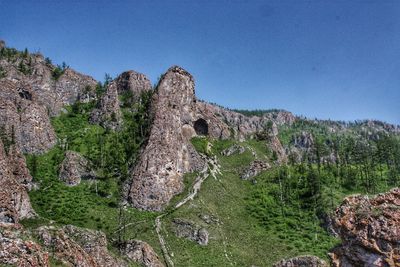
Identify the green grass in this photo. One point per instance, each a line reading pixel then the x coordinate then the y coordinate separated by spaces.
pixel 91 204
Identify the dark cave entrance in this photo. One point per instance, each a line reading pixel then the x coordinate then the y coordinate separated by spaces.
pixel 201 127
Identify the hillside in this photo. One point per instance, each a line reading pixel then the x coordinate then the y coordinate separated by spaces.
pixel 118 173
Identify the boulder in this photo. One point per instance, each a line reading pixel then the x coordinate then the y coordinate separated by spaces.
pixel 74 168
pixel 142 253
pixel 191 231
pixel 256 167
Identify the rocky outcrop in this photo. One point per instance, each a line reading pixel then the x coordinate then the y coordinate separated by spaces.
pixel 158 175
pixel 23 120
pixel 302 261
pixel 52 93
pixel 191 231
pixel 234 149
pixel 369 229
pixel 125 89
pixel 142 253
pixel 243 126
pixel 14 200
pixel 255 168
pixel 74 168
pixel 78 247
pixel 16 250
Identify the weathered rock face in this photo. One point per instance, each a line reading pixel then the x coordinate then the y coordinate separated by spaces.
pixel 24 120
pixel 369 229
pixel 191 231
pixel 134 82
pixel 158 174
pixel 78 247
pixel 74 168
pixel 241 125
pixel 256 167
pixel 303 141
pixel 51 93
pixel 302 261
pixel 142 253
pixel 15 250
pixel 14 200
pixel 129 84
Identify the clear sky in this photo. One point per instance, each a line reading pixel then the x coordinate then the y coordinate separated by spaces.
pixel 324 59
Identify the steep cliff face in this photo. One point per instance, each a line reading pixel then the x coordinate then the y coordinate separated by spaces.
pixel 129 86
pixel 14 200
pixel 370 231
pixel 23 120
pixel 168 154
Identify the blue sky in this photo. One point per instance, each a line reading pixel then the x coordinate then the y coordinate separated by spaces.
pixel 324 59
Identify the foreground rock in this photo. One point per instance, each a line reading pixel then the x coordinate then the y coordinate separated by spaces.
pixel 16 250
pixel 302 261
pixel 142 253
pixel 189 230
pixel 255 168
pixel 74 168
pixel 369 229
pixel 78 247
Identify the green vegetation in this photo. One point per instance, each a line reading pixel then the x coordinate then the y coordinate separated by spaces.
pixel 59 70
pixel 3 72
pixel 95 203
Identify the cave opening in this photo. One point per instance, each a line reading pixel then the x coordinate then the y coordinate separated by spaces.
pixel 201 127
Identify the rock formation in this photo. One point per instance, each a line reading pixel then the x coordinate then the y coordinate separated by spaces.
pixel 14 200
pixel 369 229
pixel 16 250
pixel 23 120
pixel 158 175
pixel 177 117
pixel 129 86
pixel 302 261
pixel 78 247
pixel 74 168
pixel 142 253
pixel 234 149
pixel 255 168
pixel 191 231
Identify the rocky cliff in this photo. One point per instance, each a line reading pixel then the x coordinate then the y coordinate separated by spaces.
pixel 158 175
pixel 125 89
pixel 369 229
pixel 14 199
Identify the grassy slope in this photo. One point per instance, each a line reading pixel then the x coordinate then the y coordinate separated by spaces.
pixel 252 229
pixel 238 234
